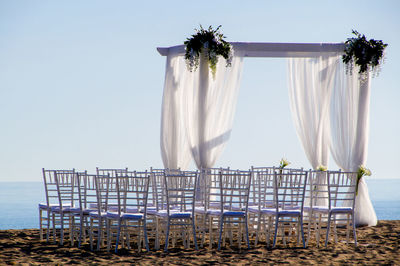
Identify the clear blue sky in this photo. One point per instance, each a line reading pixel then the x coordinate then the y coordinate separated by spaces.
pixel 81 81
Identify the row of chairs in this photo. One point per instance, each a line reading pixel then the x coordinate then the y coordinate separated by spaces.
pixel 110 207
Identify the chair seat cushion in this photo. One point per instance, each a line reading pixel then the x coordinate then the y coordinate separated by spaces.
pixel 320 208
pixel 45 206
pixel 132 216
pixel 341 209
pixel 87 211
pixel 95 214
pixel 290 212
pixel 174 214
pixel 234 213
pixel 211 211
pixel 58 209
pixel 113 215
pixel 177 214
pixel 151 211
pixel 75 210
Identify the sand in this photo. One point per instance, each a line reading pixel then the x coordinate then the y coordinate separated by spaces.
pixel 377 245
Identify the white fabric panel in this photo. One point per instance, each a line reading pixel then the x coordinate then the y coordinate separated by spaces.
pixel 349 122
pixel 210 108
pixel 310 82
pixel 175 150
pixel 310 85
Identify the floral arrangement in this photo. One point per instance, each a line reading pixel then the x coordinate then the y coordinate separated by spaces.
pixel 362 171
pixel 368 55
pixel 283 163
pixel 322 168
pixel 209 42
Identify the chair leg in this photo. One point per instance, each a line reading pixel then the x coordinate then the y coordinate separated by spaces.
pixel 167 236
pixel 302 232
pixel 276 229
pixel 210 231
pixel 247 233
pixel 91 234
pixel 310 220
pixel 54 227
pixel 48 225
pixel 269 230
pixel 62 228
pixel 258 228
pixel 146 241
pixel 327 230
pixel 40 225
pixel 354 230
pixel 118 235
pixel 221 225
pixel 194 235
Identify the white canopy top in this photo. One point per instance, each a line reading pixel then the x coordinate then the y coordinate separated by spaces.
pixel 269 49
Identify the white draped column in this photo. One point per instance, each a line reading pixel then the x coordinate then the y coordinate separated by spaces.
pixel 175 150
pixel 210 108
pixel 350 132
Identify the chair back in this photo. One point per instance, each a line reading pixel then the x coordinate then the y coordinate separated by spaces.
pixel 290 190
pixel 112 172
pixel 181 190
pixel 209 181
pixel 50 185
pixel 157 194
pixel 317 189
pixel 133 187
pixel 65 181
pixel 235 190
pixel 105 186
pixel 87 193
pixel 262 187
pixel 342 188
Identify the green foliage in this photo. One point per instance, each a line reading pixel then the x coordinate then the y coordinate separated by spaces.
pixel 210 42
pixel 368 55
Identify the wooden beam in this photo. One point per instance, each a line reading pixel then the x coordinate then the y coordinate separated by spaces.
pixel 256 49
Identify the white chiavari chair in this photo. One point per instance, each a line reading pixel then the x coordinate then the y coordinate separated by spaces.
pixel 262 197
pixel 130 217
pixel 342 194
pixel 65 182
pixel 208 206
pixel 52 200
pixel 234 193
pixel 105 193
pixel 157 205
pixel 289 188
pixel 180 194
pixel 87 203
pixel 316 198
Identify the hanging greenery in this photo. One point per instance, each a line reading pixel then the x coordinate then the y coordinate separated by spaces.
pixel 368 55
pixel 209 42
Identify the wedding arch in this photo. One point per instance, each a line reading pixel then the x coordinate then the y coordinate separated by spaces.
pixel 330 109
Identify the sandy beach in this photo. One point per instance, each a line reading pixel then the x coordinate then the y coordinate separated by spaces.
pixel 376 245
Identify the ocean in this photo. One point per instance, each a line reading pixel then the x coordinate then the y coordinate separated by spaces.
pixel 19 202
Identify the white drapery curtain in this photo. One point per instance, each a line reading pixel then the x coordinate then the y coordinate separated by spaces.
pixel 175 150
pixel 310 82
pixel 349 120
pixel 197 111
pixel 210 108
